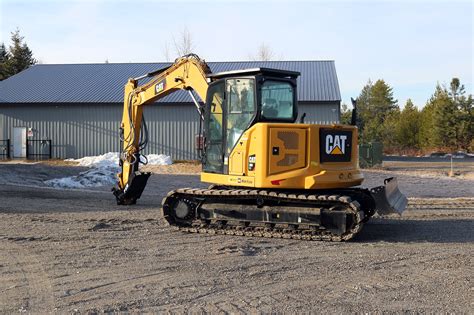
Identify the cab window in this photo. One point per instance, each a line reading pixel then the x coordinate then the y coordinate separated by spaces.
pixel 277 100
pixel 214 134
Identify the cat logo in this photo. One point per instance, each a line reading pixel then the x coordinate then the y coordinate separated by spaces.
pixel 336 144
pixel 160 86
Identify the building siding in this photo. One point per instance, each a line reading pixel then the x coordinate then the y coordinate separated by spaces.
pixel 320 113
pixel 85 130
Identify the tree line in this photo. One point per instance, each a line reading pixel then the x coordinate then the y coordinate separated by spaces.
pixel 16 58
pixel 445 123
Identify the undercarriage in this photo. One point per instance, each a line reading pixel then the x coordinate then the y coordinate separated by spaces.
pixel 330 215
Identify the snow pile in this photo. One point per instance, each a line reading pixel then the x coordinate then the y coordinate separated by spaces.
pixel 103 170
pixel 159 159
pixel 112 158
pixel 104 160
pixel 95 177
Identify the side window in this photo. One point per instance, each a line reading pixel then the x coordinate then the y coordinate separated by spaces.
pixel 277 100
pixel 215 119
pixel 240 109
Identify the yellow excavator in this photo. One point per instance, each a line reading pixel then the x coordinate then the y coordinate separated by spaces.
pixel 270 176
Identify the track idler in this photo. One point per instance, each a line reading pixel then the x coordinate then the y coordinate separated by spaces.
pixel 388 198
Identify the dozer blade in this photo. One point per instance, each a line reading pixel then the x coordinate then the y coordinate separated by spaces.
pixel 388 198
pixel 132 191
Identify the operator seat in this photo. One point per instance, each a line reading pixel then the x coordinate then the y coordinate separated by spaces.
pixel 269 108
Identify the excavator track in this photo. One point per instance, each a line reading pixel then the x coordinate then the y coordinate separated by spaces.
pixel 197 211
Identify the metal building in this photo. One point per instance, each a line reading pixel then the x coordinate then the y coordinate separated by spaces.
pixel 79 106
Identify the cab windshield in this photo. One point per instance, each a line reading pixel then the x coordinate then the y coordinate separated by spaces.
pixel 277 100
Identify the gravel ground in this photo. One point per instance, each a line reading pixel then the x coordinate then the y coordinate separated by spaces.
pixel 69 251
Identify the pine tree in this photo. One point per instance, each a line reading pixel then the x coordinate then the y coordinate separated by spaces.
pixel 3 53
pixel 408 127
pixel 375 104
pixel 20 55
pixel 464 114
pixel 363 105
pixel 426 126
pixel 466 123
pixel 346 115
pixel 4 56
pixel 388 130
pixel 444 119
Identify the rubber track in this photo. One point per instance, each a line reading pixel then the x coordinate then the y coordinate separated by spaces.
pixel 199 226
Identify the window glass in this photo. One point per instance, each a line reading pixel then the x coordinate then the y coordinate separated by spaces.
pixel 240 110
pixel 277 100
pixel 214 157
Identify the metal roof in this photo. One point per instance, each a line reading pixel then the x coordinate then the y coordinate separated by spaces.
pixel 103 83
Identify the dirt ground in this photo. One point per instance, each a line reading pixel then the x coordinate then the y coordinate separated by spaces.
pixel 75 251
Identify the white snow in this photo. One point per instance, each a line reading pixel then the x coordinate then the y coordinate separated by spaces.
pixel 107 159
pixel 95 177
pixel 159 159
pixel 103 170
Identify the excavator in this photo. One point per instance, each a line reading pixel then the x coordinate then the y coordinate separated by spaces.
pixel 270 175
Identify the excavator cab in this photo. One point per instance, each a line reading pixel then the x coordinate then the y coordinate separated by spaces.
pixel 236 100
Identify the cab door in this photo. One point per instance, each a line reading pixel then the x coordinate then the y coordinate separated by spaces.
pixel 214 129
pixel 230 111
pixel 240 113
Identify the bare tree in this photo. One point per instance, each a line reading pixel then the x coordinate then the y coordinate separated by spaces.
pixel 184 45
pixel 264 53
pixel 166 52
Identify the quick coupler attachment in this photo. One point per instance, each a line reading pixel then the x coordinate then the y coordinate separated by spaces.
pixel 133 190
pixel 388 198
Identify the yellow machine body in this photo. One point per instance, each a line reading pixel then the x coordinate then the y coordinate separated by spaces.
pixel 287 156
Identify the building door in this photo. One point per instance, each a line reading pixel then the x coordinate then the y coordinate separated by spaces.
pixel 19 142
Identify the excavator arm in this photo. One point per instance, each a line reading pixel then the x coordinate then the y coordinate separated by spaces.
pixel 186 73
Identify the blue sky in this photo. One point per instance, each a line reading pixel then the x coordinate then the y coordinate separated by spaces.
pixel 412 45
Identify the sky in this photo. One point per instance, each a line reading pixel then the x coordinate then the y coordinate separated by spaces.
pixel 412 45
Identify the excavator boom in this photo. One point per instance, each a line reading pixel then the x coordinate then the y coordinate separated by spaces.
pixel 186 73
